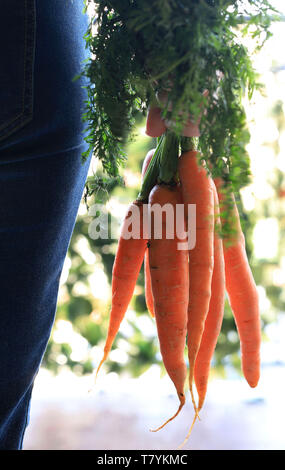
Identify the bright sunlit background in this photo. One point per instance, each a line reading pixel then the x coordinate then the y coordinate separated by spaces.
pixel 133 393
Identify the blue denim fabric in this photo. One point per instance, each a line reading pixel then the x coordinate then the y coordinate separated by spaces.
pixel 41 184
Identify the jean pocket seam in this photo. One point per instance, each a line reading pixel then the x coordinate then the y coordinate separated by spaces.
pixel 26 114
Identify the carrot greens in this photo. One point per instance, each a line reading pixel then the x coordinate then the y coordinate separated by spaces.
pixel 140 49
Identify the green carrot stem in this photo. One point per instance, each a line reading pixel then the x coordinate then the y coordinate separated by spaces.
pixel 163 165
pixel 169 158
pixel 152 172
pixel 189 143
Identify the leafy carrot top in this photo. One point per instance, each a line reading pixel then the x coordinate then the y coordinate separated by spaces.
pixel 141 48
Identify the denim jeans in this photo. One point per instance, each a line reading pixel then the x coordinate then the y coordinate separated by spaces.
pixel 42 179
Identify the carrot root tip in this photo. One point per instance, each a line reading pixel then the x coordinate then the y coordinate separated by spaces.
pixel 189 432
pixel 169 419
pixel 105 355
pixel 194 402
pixel 99 367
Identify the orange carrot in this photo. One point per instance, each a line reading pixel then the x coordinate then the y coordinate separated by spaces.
pixel 214 318
pixel 147 284
pixel 243 295
pixel 126 268
pixel 170 287
pixel 147 160
pixel 197 189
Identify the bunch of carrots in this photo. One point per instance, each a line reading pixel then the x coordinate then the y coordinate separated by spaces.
pixel 185 289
